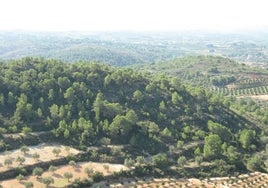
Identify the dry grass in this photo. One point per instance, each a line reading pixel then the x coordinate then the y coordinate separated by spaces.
pixel 44 150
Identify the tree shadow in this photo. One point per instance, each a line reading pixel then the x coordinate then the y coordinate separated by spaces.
pixel 57 175
pixel 77 170
pixel 28 155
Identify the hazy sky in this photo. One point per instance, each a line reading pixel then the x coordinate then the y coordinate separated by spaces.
pixel 58 15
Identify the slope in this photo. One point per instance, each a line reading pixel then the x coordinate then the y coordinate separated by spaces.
pixel 86 104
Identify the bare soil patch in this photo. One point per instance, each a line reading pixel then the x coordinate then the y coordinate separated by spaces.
pixel 258 97
pixel 44 150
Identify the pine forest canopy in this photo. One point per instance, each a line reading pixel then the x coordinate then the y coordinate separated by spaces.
pixel 86 104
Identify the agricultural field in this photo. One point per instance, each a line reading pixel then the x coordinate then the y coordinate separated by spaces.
pixel 255 179
pixel 34 154
pixel 60 179
pixel 248 87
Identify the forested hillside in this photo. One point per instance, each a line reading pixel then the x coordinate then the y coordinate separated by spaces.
pixel 215 73
pixel 89 104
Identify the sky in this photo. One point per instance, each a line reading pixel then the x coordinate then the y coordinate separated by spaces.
pixel 132 15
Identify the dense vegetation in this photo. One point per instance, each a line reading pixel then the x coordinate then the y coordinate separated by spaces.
pixel 85 104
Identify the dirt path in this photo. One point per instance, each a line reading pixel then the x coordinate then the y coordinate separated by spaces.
pixel 258 97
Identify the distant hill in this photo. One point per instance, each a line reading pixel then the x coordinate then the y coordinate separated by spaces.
pixel 128 48
pixel 113 48
pixel 215 73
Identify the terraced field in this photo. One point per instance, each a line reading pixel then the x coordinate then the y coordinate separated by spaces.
pixel 255 179
pixel 251 86
pixel 78 172
pixel 46 153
